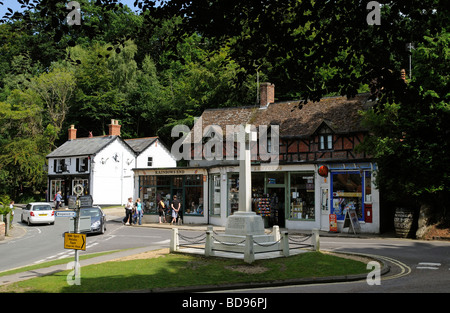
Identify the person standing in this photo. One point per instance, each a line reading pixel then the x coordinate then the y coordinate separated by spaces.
pixel 175 208
pixel 128 212
pixel 139 212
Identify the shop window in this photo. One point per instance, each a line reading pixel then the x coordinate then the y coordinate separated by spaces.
pixel 347 193
pixel 233 193
pixel 55 186
pixel 215 196
pixel 302 205
pixel 368 187
pixel 275 178
pixel 82 182
pixel 194 201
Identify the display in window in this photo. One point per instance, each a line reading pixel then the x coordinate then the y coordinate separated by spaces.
pixel 347 194
pixel 302 200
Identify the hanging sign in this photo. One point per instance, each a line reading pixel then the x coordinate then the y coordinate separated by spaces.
pixel 323 171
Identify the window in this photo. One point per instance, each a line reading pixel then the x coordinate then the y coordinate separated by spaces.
pixel 215 196
pixel 82 165
pixel 150 161
pixel 347 193
pixel 325 142
pixel 302 204
pixel 59 166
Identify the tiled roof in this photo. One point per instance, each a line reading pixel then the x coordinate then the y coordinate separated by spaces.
pixel 295 119
pixel 140 144
pixel 82 146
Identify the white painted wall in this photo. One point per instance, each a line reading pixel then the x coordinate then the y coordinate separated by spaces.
pixel 162 157
pixel 112 181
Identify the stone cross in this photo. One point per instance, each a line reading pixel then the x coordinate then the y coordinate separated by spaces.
pixel 245 137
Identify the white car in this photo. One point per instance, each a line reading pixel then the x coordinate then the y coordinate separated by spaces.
pixel 38 213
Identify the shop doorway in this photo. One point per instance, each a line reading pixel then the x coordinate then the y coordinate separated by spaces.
pixel 277 200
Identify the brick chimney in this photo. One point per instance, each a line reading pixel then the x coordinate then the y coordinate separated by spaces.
pixel 72 133
pixel 114 128
pixel 267 94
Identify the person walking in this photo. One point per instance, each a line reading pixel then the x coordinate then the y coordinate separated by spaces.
pixel 58 199
pixel 175 208
pixel 128 212
pixel 139 212
pixel 161 210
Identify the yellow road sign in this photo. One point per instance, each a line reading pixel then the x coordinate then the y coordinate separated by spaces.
pixel 75 241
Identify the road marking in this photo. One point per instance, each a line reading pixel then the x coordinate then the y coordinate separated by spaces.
pixel 428 266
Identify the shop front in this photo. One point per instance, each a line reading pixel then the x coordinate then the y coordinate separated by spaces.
pixel 351 188
pixel 65 184
pixel 281 195
pixel 188 184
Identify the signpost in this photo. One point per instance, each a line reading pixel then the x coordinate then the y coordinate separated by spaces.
pixel 74 238
pixel 66 214
pixel 75 241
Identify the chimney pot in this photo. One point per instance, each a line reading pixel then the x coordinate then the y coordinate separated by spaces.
pixel 267 94
pixel 114 128
pixel 72 133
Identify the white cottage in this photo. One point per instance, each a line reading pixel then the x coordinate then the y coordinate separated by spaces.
pixel 103 165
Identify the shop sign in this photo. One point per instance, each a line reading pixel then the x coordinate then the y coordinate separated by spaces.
pixel 333 223
pixel 351 221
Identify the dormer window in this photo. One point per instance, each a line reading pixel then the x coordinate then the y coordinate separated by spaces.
pixel 325 142
pixel 325 137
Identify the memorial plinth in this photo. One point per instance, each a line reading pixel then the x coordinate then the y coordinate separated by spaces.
pixel 244 223
pixel 244 227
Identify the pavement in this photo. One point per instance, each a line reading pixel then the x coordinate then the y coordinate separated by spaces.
pixel 116 215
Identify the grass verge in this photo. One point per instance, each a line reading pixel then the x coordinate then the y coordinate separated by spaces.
pixel 182 270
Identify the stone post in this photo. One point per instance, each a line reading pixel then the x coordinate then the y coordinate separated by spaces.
pixel 285 243
pixel 249 254
pixel 174 240
pixel 276 232
pixel 315 239
pixel 209 241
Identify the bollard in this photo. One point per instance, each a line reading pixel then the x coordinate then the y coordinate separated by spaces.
pixel 285 243
pixel 174 240
pixel 276 233
pixel 315 239
pixel 249 254
pixel 209 241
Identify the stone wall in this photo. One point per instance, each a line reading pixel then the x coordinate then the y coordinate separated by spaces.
pixel 2 230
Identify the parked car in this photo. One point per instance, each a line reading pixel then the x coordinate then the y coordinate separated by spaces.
pixel 38 213
pixel 98 219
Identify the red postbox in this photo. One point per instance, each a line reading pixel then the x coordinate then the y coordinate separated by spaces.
pixel 368 215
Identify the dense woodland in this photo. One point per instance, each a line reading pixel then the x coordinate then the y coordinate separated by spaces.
pixel 166 63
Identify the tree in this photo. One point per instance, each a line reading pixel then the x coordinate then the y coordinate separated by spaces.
pixel 55 89
pixel 410 131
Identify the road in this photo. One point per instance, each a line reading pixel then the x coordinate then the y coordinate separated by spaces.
pixel 415 266
pixel 42 243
